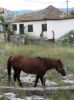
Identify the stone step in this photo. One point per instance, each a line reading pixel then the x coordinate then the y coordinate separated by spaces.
pixel 37 90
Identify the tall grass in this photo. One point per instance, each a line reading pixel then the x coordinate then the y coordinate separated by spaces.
pixel 65 53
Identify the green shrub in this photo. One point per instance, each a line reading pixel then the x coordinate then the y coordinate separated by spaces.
pixel 1 18
pixel 9 33
pixel 63 95
pixel 69 37
pixel 41 35
pixel 27 39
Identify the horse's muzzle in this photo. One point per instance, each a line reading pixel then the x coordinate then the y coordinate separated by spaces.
pixel 62 72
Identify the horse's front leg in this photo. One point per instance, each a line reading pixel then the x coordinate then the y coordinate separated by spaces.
pixel 36 81
pixel 42 80
pixel 14 76
pixel 20 83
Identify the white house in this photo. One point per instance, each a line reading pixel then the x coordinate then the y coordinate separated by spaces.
pixel 46 21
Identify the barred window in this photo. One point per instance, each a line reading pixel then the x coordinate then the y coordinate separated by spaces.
pixel 14 27
pixel 30 28
pixel 44 27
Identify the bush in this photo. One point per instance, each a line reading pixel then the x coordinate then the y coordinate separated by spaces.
pixel 64 95
pixel 9 33
pixel 1 18
pixel 69 37
pixel 28 39
pixel 41 35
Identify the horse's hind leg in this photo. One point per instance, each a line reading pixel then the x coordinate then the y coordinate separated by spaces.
pixel 14 76
pixel 18 78
pixel 36 81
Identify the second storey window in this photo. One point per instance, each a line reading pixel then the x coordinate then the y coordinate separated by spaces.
pixel 30 28
pixel 44 27
pixel 14 27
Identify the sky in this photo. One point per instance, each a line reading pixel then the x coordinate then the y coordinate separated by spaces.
pixel 34 4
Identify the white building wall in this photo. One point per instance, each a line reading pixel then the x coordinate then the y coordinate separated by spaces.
pixel 37 27
pixel 60 27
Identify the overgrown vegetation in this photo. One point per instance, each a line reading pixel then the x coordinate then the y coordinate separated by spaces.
pixel 65 53
pixel 64 95
pixel 69 37
pixel 9 32
pixel 2 19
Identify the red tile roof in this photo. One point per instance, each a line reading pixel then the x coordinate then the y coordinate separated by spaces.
pixel 1 10
pixel 49 13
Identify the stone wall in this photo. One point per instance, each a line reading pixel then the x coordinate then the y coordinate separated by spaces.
pixel 19 40
pixel 2 37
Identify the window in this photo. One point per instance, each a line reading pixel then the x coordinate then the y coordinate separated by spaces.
pixel 21 28
pixel 44 27
pixel 30 28
pixel 6 26
pixel 14 27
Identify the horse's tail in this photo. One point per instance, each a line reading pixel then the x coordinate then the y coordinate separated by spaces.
pixel 9 68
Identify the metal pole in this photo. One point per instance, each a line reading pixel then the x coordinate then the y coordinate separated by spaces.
pixel 67 6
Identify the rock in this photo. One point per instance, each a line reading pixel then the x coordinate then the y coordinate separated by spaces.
pixel 34 97
pixel 68 81
pixel 0 97
pixel 12 96
pixel 9 95
pixel 51 83
pixel 2 51
pixel 28 79
pixel 70 76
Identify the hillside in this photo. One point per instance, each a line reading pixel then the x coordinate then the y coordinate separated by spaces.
pixel 12 14
pixel 65 9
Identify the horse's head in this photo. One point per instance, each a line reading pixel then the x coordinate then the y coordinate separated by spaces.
pixel 60 68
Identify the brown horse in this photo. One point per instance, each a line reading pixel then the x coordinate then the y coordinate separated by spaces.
pixel 36 65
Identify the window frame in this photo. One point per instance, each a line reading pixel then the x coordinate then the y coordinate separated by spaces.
pixel 44 27
pixel 30 28
pixel 14 27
